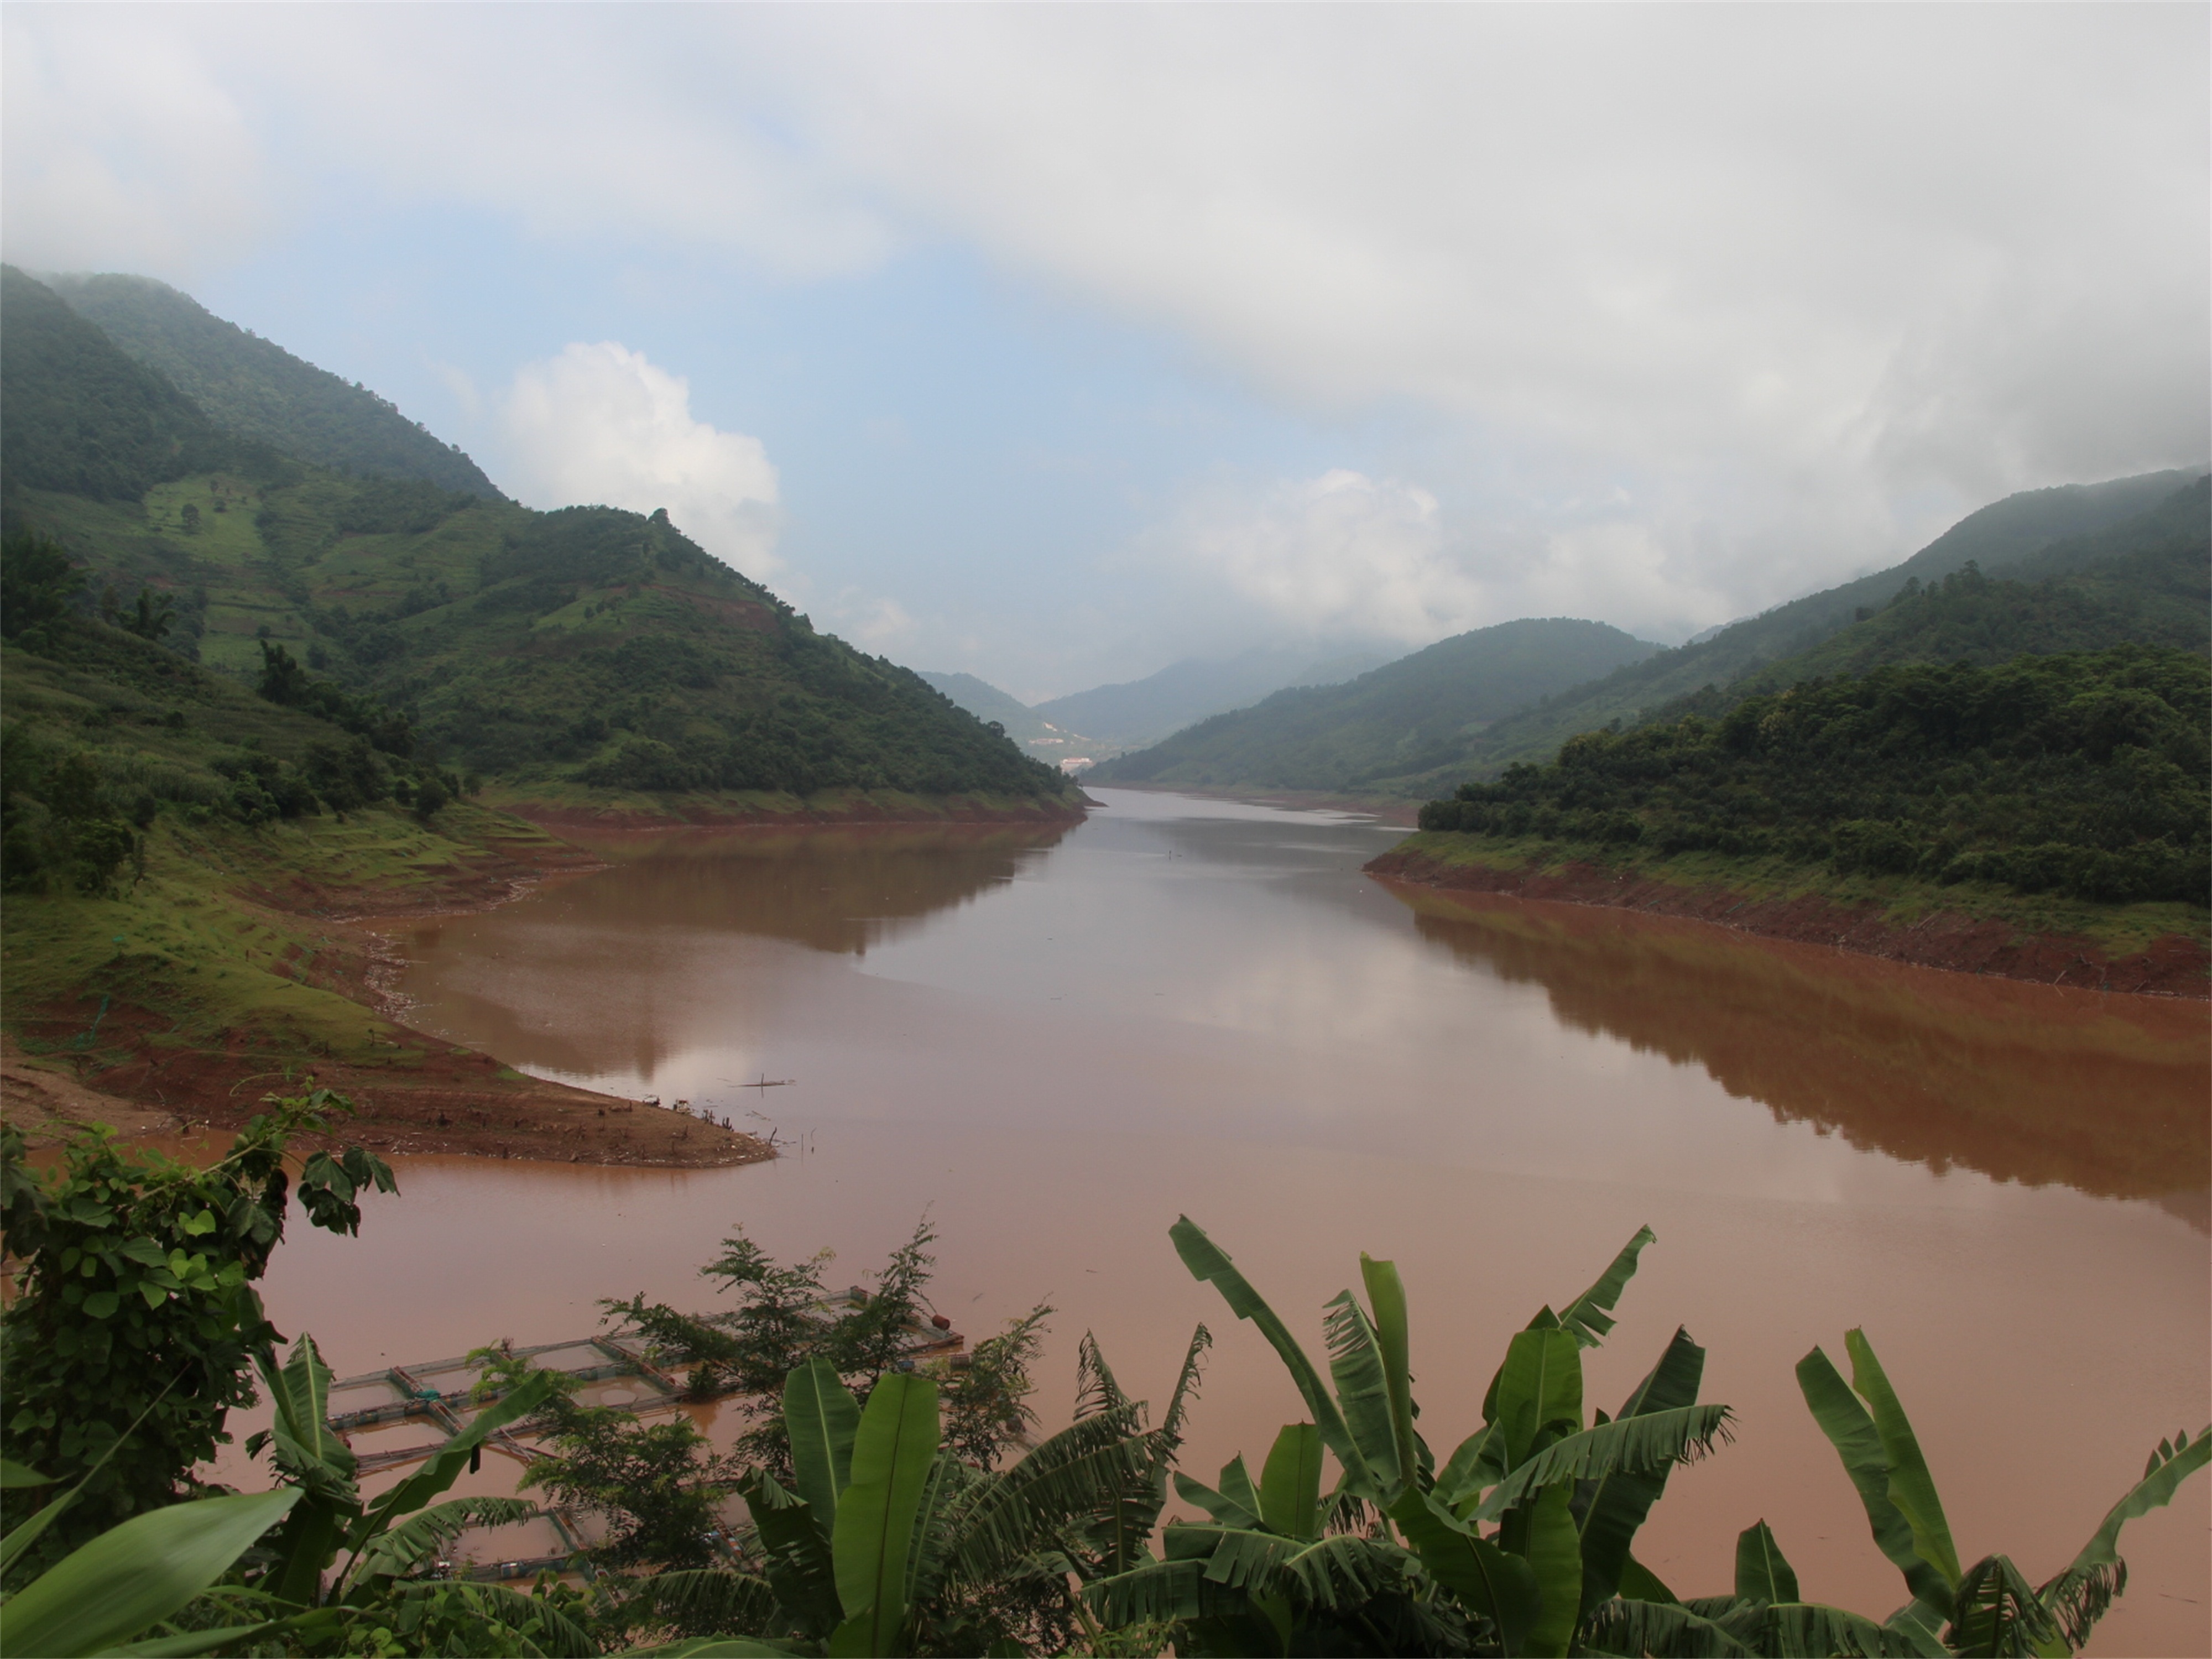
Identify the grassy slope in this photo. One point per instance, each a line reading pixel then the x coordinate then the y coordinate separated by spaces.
pixel 256 389
pixel 2007 533
pixel 2121 930
pixel 1406 715
pixel 219 944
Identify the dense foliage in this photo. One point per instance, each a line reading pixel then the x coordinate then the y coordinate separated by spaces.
pixel 877 1527
pixel 1406 717
pixel 79 416
pixel 258 389
pixel 2084 774
pixel 131 1336
pixel 2035 534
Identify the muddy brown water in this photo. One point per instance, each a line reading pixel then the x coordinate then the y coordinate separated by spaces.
pixel 1052 1041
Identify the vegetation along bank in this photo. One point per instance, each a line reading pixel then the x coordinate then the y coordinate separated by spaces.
pixel 2044 817
pixel 273 660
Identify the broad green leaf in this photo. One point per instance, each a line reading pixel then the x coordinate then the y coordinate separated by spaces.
pixel 1539 1390
pixel 870 1541
pixel 1386 1295
pixel 795 1554
pixel 1639 1584
pixel 306 1447
pixel 1655 1440
pixel 1997 1614
pixel 1625 1496
pixel 1290 1484
pixel 1665 1630
pixel 1911 1488
pixel 1555 1554
pixel 14 1475
pixel 1475 1465
pixel 822 1417
pixel 445 1465
pixel 1501 1588
pixel 139 1573
pixel 402 1548
pixel 1362 1389
pixel 2080 1595
pixel 1237 1487
pixel 1851 1431
pixel 716 1647
pixel 192 1643
pixel 1761 1572
pixel 1219 1506
pixel 1589 1315
pixel 1207 1261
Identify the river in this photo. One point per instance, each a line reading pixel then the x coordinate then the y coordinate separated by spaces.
pixel 1050 1042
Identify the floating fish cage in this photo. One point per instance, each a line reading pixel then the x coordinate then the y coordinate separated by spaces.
pixel 381 1415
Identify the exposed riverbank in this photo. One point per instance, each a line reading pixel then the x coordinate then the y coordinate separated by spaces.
pixel 561 809
pixel 2157 950
pixel 243 960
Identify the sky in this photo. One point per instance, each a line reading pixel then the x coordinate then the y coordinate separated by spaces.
pixel 1055 343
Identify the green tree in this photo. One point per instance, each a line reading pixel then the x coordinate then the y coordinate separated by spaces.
pixel 131 1336
pixel 38 581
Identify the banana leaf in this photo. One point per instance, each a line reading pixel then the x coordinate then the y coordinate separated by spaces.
pixel 1762 1573
pixel 873 1534
pixel 795 1554
pixel 1589 1316
pixel 1555 1556
pixel 2079 1595
pixel 1290 1483
pixel 1655 1440
pixel 1207 1261
pixel 1362 1389
pixel 137 1573
pixel 1539 1390
pixel 1852 1432
pixel 1625 1496
pixel 445 1465
pixel 401 1549
pixel 1498 1587
pixel 1663 1630
pixel 1219 1506
pixel 1997 1615
pixel 1386 1295
pixel 822 1417
pixel 1911 1487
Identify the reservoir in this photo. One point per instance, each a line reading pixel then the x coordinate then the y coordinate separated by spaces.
pixel 1051 1042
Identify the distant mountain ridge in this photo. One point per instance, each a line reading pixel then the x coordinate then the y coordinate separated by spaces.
pixel 2004 534
pixel 1137 712
pixel 563 654
pixel 255 389
pixel 1402 717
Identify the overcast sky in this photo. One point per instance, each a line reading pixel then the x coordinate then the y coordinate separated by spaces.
pixel 1055 342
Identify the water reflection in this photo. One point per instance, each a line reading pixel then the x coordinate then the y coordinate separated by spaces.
pixel 2021 1082
pixel 841 889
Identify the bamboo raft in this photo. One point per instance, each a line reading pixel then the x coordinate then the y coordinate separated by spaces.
pixel 440 1394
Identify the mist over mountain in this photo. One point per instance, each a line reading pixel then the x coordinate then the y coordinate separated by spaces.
pixel 1400 718
pixel 255 389
pixel 1139 712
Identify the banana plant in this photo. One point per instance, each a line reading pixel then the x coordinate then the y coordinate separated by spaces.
pixel 886 1544
pixel 1398 1558
pixel 1986 1610
pixel 1990 1607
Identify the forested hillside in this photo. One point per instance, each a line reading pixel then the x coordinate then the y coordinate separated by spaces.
pixel 255 389
pixel 2013 534
pixel 1419 712
pixel 564 654
pixel 1135 712
pixel 2087 774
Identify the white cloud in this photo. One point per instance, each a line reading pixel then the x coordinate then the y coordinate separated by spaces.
pixel 1341 553
pixel 599 425
pixel 1800 282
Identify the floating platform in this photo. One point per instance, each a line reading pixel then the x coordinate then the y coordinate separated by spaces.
pixel 381 1415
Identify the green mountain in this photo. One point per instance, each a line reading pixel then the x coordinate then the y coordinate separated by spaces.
pixel 572 657
pixel 987 703
pixel 1137 712
pixel 255 389
pixel 2008 533
pixel 79 417
pixel 2086 774
pixel 2145 580
pixel 1420 711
